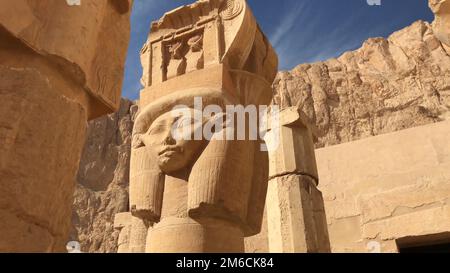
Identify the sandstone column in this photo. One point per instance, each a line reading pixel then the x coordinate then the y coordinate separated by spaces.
pixel 295 209
pixel 60 66
pixel 122 223
pixel 201 194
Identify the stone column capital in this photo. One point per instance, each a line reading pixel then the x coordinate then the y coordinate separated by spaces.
pixel 290 139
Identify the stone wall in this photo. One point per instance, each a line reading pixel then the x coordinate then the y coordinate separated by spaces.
pixel 388 189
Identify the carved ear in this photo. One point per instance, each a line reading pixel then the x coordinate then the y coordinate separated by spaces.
pixel 220 181
pixel 122 6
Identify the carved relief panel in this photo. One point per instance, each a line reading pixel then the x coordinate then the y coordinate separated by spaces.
pixel 183 55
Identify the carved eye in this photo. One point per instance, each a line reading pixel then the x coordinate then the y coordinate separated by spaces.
pixel 159 128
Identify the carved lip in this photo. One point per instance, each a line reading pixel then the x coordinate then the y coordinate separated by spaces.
pixel 169 150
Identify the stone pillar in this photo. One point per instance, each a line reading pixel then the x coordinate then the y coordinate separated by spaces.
pixel 56 72
pixel 186 235
pixel 138 235
pixel 295 210
pixel 201 194
pixel 122 225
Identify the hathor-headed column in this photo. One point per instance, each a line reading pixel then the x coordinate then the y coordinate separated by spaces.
pixel 60 65
pixel 200 194
pixel 295 209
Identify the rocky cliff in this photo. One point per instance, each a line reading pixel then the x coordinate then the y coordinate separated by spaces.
pixel 386 85
pixel 102 189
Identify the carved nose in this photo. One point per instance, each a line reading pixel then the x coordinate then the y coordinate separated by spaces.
pixel 169 140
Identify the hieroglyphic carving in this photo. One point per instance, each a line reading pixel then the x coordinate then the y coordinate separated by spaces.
pixel 203 34
pixel 183 56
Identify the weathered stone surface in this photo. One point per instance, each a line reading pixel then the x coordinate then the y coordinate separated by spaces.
pixel 80 39
pixel 421 195
pixel 56 72
pixel 441 24
pixel 387 188
pixel 385 86
pixel 381 192
pixel 103 179
pixel 260 242
pixel 39 152
pixel 295 211
pixel 200 193
pixel 417 223
pixel 122 223
pixel 291 145
pixel 296 216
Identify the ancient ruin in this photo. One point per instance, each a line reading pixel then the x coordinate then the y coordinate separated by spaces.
pixel 56 72
pixel 361 202
pixel 362 162
pixel 295 209
pixel 198 195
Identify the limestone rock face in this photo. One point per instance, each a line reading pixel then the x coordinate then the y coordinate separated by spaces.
pixel 102 189
pixel 385 86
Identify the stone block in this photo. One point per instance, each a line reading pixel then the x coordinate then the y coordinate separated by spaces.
pixel 291 145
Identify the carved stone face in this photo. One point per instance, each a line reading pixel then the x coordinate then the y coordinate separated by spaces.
pixel 171 140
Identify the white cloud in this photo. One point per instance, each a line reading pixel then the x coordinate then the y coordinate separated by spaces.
pixel 290 20
pixel 300 36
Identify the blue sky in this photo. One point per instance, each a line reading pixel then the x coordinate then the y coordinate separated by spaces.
pixel 302 31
